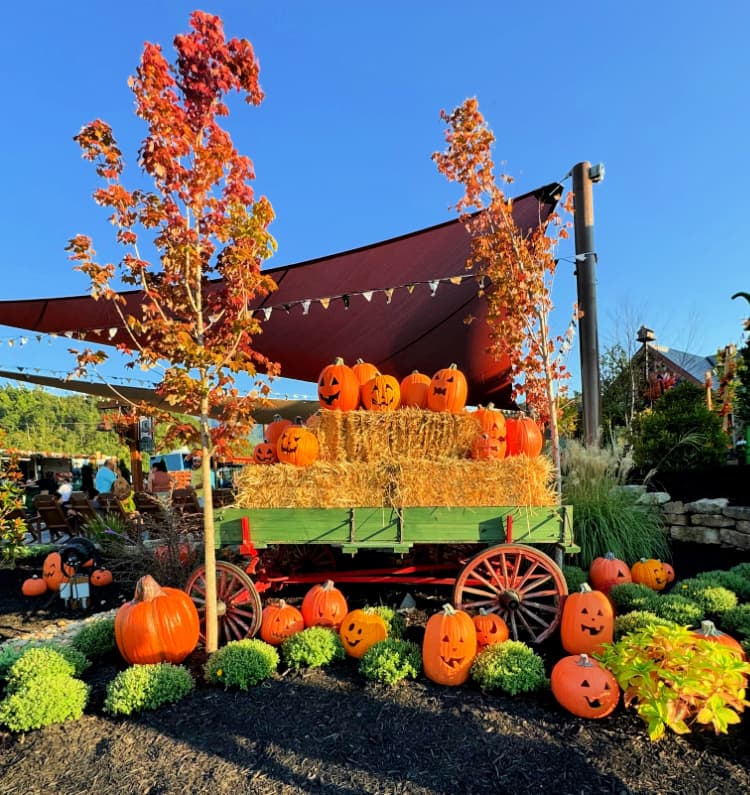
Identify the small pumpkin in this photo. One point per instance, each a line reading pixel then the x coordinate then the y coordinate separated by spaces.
pixel 523 437
pixel 381 393
pixel 34 586
pixel 338 387
pixel 324 606
pixel 448 390
pixel 52 571
pixel 607 571
pixel 584 687
pixel 280 621
pixel 587 621
pixel 298 445
pixel 159 624
pixel 490 629
pixel 100 577
pixel 708 631
pixel 414 388
pixel 275 428
pixel 359 630
pixel 487 448
pixel 265 453
pixel 364 371
pixel 649 573
pixel 669 571
pixel 449 646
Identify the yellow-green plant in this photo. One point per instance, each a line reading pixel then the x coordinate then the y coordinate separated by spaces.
pixel 241 663
pixel 677 681
pixel 390 661
pixel 143 687
pixel 314 647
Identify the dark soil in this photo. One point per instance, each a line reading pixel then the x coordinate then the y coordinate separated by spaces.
pixel 329 731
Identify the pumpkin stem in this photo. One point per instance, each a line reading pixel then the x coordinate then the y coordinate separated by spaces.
pixel 585 662
pixel 327 585
pixel 146 589
pixel 282 604
pixel 338 360
pixel 609 555
pixel 449 610
pixel 585 587
pixel 709 628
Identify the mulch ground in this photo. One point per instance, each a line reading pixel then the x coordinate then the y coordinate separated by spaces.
pixel 330 731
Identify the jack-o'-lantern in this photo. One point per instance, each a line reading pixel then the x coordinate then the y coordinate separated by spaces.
pixel 607 571
pixel 584 687
pixel 52 571
pixel 448 390
pixel 490 629
pixel 491 421
pixel 359 630
pixel 338 387
pixel 324 606
pixel 265 453
pixel 34 586
pixel 649 573
pixel 587 621
pixel 449 646
pixel 298 445
pixel 708 631
pixel 487 448
pixel 381 393
pixel 100 577
pixel 364 371
pixel 414 388
pixel 668 571
pixel 523 437
pixel 280 621
pixel 275 428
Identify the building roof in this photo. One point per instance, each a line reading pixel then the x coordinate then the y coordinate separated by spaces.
pixel 690 365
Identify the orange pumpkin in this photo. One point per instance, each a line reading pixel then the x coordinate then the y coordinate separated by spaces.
pixel 101 577
pixel 34 586
pixel 298 445
pixel 607 571
pixel 275 428
pixel 338 387
pixel 490 629
pixel 324 606
pixel 265 453
pixel 649 573
pixel 359 630
pixel 587 621
pixel 364 371
pixel 448 390
pixel 280 621
pixel 449 646
pixel 381 393
pixel 583 687
pixel 669 571
pixel 414 388
pixel 491 421
pixel 157 625
pixel 708 631
pixel 487 448
pixel 523 437
pixel 52 571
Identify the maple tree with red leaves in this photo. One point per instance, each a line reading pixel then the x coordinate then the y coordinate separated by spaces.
pixel 212 237
pixel 517 266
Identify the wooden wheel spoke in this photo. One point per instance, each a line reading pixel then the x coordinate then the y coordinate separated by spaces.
pixel 534 616
pixel 545 608
pixel 494 574
pixel 477 603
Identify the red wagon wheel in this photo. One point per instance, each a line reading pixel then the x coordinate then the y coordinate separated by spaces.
pixel 522 585
pixel 238 606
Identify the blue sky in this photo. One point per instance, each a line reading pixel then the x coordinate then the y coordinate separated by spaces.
pixel 658 92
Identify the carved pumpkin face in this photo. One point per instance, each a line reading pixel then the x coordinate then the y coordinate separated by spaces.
pixel 338 387
pixel 265 453
pixel 381 393
pixel 649 573
pixel 486 448
pixel 324 606
pixel 607 571
pixel 52 571
pixel 587 621
pixel 583 687
pixel 448 390
pixel 414 388
pixel 101 577
pixel 491 421
pixel 359 630
pixel 449 646
pixel 490 629
pixel 279 622
pixel 298 445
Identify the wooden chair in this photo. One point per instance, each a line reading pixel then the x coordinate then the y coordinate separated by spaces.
pixel 148 505
pixel 186 501
pixel 111 505
pixel 222 497
pixel 84 508
pixel 52 517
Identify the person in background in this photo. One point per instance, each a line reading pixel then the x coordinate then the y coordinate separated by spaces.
pixel 87 480
pixel 106 476
pixel 160 483
pixel 47 484
pixel 196 478
pixel 65 489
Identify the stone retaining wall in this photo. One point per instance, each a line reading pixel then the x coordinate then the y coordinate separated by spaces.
pixel 708 521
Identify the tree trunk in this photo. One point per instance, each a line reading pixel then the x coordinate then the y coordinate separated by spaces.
pixel 209 555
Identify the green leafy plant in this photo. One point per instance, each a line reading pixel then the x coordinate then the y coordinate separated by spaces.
pixel 12 521
pixel 95 639
pixel 43 700
pixel 638 620
pixel 147 687
pixel 632 596
pixel 677 681
pixel 714 599
pixel 731 580
pixel 390 661
pixel 42 663
pixel 575 577
pixel 743 569
pixel 241 663
pixel 678 609
pixel 314 647
pixel 512 667
pixel 395 623
pixel 737 620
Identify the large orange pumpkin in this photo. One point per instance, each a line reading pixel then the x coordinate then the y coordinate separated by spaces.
pixel 491 421
pixel 359 630
pixel 364 371
pixel 448 390
pixel 381 393
pixel 708 631
pixel 265 452
pixel 414 388
pixel 298 445
pixel 523 437
pixel 487 448
pixel 449 646
pixel 338 387
pixel 157 625
pixel 587 621
pixel 649 573
pixel 490 629
pixel 324 606
pixel 275 428
pixel 280 621
pixel 34 586
pixel 52 571
pixel 607 571
pixel 583 687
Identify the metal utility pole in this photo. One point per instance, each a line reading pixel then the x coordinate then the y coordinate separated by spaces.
pixel 584 175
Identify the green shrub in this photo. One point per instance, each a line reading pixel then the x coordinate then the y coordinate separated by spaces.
pixel 391 661
pixel 678 609
pixel 241 663
pixel 512 667
pixel 575 577
pixel 638 620
pixel 395 623
pixel 737 620
pixel 38 661
pixel 10 654
pixel 147 687
pixel 96 639
pixel 314 647
pixel 743 569
pixel 714 600
pixel 36 701
pixel 731 580
pixel 632 596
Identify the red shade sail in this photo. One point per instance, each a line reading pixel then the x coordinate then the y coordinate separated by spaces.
pixel 402 304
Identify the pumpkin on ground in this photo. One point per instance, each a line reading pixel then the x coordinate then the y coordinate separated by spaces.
pixel 159 624
pixel 280 621
pixel 607 571
pixel 275 428
pixel 490 628
pixel 448 390
pixel 364 371
pixel 338 387
pixel 298 445
pixel 523 437
pixel 708 631
pixel 381 393
pixel 414 388
pixel 650 573
pixel 265 452
pixel 587 621
pixel 449 646
pixel 359 630
pixel 52 571
pixel 324 606
pixel 34 586
pixel 100 577
pixel 584 687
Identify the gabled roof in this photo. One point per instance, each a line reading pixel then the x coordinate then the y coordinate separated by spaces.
pixel 690 365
